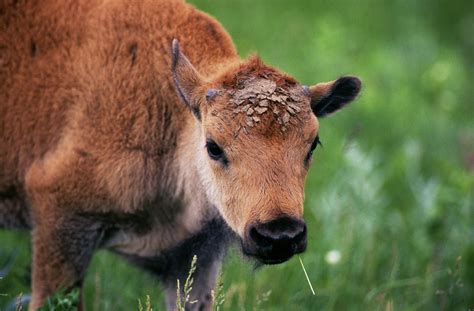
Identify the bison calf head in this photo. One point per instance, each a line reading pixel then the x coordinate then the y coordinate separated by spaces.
pixel 258 130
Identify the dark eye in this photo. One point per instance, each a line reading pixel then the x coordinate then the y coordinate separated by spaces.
pixel 214 151
pixel 315 143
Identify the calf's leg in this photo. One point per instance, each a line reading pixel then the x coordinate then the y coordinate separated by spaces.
pixel 60 189
pixel 204 277
pixel 62 249
pixel 209 246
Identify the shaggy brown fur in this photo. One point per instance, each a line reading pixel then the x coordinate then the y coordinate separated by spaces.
pixel 98 150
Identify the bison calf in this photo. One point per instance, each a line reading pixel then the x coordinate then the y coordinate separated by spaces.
pixel 114 135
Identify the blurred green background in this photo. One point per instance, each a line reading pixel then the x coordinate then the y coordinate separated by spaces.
pixel 390 200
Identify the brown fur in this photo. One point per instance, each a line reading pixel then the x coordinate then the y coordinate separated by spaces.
pixel 253 68
pixel 98 150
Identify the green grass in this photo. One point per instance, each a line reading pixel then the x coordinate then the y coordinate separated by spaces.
pixel 391 192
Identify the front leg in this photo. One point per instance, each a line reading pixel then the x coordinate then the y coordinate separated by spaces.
pixel 209 246
pixel 63 246
pixel 60 189
pixel 204 277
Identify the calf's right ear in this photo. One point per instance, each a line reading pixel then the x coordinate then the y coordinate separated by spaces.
pixel 329 97
pixel 187 79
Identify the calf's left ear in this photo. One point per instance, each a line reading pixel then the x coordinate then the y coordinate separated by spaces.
pixel 329 97
pixel 187 79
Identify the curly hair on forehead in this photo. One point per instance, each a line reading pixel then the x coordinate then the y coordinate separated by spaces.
pixel 251 68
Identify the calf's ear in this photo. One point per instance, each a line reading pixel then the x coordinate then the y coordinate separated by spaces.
pixel 187 79
pixel 328 97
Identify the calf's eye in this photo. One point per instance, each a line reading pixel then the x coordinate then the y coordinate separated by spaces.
pixel 214 151
pixel 315 143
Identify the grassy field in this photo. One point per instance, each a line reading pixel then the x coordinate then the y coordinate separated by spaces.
pixel 390 199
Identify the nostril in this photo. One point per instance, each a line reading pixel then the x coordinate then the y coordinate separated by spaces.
pixel 301 233
pixel 295 232
pixel 277 240
pixel 282 229
pixel 259 238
